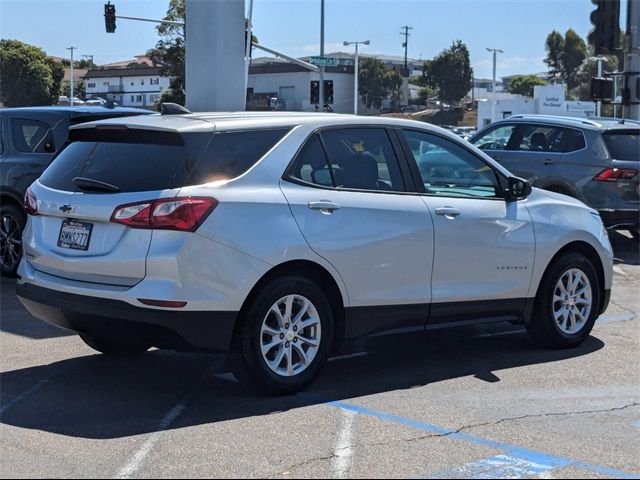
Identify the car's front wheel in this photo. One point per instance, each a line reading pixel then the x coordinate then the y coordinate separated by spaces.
pixel 12 221
pixel 112 346
pixel 284 336
pixel 567 303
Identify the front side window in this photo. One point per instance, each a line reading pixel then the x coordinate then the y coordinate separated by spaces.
pixel 495 139
pixel 31 136
pixel 536 138
pixel 447 169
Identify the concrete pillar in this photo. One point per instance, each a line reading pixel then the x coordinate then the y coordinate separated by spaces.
pixel 215 55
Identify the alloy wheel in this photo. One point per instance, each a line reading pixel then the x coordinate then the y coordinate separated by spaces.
pixel 572 301
pixel 10 242
pixel 290 335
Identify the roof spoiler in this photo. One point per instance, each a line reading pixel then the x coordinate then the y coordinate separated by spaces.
pixel 167 108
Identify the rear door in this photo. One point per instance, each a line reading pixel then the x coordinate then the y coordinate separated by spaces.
pixel 72 235
pixel 348 195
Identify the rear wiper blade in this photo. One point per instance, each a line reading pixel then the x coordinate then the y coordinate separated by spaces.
pixel 91 184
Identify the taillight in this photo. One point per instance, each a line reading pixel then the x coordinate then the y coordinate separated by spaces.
pixel 184 213
pixel 614 174
pixel 30 202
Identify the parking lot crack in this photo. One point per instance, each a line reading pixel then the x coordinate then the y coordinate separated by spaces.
pixel 622 307
pixel 558 414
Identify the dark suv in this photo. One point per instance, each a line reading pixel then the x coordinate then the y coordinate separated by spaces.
pixel 29 139
pixel 595 160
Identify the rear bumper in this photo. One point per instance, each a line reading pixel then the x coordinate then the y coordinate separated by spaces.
pixel 101 317
pixel 620 219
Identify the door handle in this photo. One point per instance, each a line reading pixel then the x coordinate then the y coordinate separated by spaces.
pixel 448 212
pixel 325 206
pixel 548 162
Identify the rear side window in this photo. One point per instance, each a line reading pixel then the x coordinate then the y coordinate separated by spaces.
pixel 311 164
pixel 137 161
pixel 31 136
pixel 623 145
pixel 363 159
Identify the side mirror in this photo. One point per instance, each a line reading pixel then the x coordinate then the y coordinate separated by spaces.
pixel 517 188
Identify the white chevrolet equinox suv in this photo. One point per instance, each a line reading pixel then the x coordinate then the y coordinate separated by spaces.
pixel 275 236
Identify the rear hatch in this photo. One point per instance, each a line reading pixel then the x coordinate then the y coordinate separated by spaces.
pixel 624 149
pixel 71 235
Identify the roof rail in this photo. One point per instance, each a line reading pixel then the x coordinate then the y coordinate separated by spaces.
pixel 168 108
pixel 586 121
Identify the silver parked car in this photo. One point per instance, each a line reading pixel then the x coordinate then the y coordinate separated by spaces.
pixel 275 236
pixel 594 160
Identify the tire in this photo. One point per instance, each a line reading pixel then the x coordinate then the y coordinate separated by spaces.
pixel 114 347
pixel 246 359
pixel 12 222
pixel 573 328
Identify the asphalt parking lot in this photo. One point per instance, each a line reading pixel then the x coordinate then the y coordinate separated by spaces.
pixel 465 403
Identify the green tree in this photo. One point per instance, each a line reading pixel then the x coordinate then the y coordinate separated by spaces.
pixel 375 83
pixel 79 90
pixel 28 77
pixel 565 56
pixel 573 55
pixel 589 69
pixel 169 53
pixel 554 48
pixel 84 63
pixel 450 73
pixel 523 84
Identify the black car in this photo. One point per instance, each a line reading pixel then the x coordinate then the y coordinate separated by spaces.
pixel 29 139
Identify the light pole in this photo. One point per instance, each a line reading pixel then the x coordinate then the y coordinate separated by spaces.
pixel 71 75
pixel 355 73
pixel 321 92
pixel 493 83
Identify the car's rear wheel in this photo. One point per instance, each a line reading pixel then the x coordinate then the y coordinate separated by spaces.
pixel 111 346
pixel 567 303
pixel 12 222
pixel 284 336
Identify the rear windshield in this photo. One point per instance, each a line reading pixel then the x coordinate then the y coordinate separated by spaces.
pixel 145 161
pixel 623 145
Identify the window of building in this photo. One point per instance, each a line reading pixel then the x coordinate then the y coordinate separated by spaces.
pixel 105 84
pixel 138 98
pixel 132 84
pixel 91 85
pixel 142 82
pixel 133 98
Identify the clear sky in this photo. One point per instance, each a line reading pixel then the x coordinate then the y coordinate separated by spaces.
pixel 519 27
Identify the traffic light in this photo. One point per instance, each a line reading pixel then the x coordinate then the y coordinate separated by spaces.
pixel 315 92
pixel 328 92
pixel 605 36
pixel 602 89
pixel 110 17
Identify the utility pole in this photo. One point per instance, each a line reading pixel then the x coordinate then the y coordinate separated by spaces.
pixel 321 93
pixel 599 75
pixel 493 83
pixel 631 89
pixel 405 45
pixel 71 75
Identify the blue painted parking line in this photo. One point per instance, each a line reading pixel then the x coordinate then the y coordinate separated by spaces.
pixel 523 455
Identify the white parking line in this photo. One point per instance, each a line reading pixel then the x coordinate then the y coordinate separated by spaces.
pixel 137 459
pixel 344 448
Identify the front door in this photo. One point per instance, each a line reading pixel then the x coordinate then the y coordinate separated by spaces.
pixel 484 245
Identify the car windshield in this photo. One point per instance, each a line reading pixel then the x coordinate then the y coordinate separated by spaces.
pixel 623 145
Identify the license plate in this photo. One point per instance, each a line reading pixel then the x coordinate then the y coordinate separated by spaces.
pixel 75 235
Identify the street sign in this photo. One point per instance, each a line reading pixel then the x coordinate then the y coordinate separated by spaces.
pixel 323 61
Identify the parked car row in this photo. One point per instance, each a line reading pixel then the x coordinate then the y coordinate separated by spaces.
pixel 275 236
